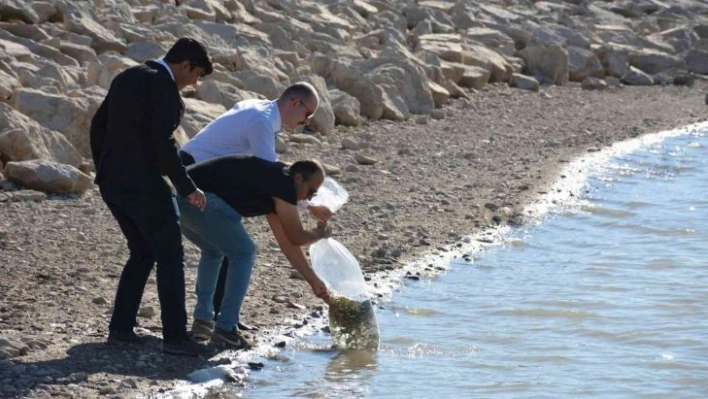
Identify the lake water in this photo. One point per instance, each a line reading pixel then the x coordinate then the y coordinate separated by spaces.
pixel 604 296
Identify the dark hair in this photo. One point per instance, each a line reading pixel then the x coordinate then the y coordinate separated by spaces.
pixel 300 91
pixel 188 49
pixel 306 169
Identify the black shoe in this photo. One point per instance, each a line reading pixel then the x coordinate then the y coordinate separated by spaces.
pixel 123 337
pixel 188 347
pixel 233 339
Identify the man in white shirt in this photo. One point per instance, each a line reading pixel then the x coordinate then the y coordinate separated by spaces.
pixel 251 127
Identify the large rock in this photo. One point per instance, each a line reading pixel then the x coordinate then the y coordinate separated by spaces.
pixel 492 39
pixel 66 114
pixel 652 62
pixel 477 55
pixel 351 80
pixel 697 61
pixel 261 82
pixel 447 46
pixel 615 59
pixel 548 64
pixel 48 176
pixel 19 9
pixel 22 138
pixel 323 120
pixel 81 18
pixel 105 67
pixel 636 77
pixel 346 108
pixel 144 51
pixel 524 82
pixel 217 92
pixel 8 84
pixel 439 93
pixel 583 63
pixel 199 114
pixel 404 79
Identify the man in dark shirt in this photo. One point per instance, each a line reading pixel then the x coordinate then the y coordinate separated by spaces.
pixel 239 186
pixel 133 148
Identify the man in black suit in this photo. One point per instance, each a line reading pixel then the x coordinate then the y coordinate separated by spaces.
pixel 133 147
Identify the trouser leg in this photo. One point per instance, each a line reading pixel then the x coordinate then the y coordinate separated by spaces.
pixel 220 284
pixel 151 224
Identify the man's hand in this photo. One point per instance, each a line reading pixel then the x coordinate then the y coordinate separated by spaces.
pixel 320 289
pixel 197 199
pixel 320 212
pixel 323 230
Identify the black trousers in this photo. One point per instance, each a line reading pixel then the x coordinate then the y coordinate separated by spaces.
pixel 150 223
pixel 188 159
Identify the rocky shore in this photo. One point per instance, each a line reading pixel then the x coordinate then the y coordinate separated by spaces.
pixel 440 118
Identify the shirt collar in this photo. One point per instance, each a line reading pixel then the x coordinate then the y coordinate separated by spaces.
pixel 164 64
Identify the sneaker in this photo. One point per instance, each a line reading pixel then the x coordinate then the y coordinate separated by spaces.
pixel 201 330
pixel 123 337
pixel 233 339
pixel 188 347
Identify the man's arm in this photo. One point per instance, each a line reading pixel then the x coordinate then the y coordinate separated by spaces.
pixel 164 114
pixel 289 218
pixel 261 139
pixel 296 257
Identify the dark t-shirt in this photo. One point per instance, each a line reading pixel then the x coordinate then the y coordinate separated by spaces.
pixel 245 182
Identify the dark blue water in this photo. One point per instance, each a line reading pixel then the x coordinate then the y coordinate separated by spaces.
pixel 605 297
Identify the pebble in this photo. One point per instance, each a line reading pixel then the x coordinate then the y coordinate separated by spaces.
pixel 362 159
pixel 147 312
pixel 99 300
pixel 280 298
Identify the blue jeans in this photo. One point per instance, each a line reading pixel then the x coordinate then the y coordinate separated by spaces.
pixel 219 232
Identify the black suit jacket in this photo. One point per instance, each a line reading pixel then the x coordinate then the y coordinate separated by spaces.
pixel 132 141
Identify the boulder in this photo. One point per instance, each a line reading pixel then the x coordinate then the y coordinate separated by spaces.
pixel 22 138
pixel 199 114
pixel 524 82
pixel 346 108
pixel 323 120
pixel 548 64
pixel 144 51
pixel 217 92
pixel 447 46
pixel 81 18
pixel 48 176
pixel 70 115
pixel 19 9
pixel 105 67
pixel 583 63
pixel 493 39
pixel 488 59
pixel 8 84
pixel 351 80
pixel 592 83
pixel 652 62
pixel 697 61
pixel 637 77
pixel 439 93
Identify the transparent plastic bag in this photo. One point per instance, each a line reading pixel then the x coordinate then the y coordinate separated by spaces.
pixel 352 320
pixel 330 194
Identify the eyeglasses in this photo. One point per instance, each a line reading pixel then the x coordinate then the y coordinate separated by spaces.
pixel 308 115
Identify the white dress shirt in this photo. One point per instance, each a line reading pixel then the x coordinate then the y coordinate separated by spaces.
pixel 250 127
